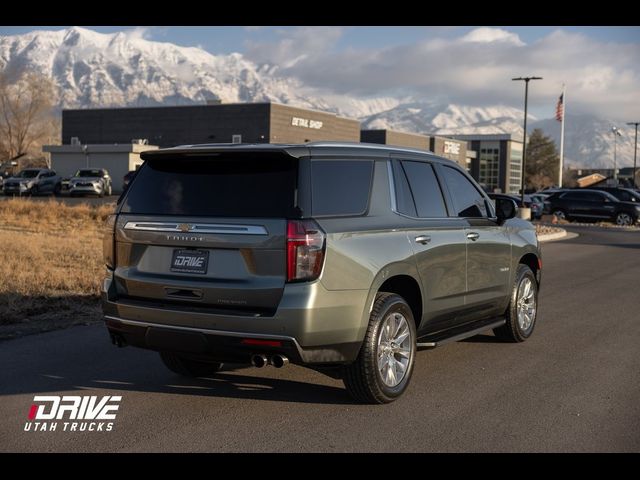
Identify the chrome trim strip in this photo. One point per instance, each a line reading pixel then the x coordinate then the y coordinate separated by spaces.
pixel 207 331
pixel 179 227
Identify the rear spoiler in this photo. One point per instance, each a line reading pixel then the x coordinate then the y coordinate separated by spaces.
pixel 295 151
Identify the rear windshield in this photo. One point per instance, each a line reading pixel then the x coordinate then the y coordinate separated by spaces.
pixel 238 186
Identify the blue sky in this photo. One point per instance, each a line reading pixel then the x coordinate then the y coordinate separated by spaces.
pixel 463 65
pixel 233 39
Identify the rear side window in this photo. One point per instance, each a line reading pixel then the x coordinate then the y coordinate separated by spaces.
pixel 404 199
pixel 623 195
pixel 467 200
pixel 425 189
pixel 584 196
pixel 230 186
pixel 340 187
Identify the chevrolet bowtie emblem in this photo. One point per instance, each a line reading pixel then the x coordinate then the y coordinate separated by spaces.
pixel 184 227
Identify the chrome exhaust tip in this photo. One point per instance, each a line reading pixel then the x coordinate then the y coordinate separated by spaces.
pixel 279 361
pixel 259 361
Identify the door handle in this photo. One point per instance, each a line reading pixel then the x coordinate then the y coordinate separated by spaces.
pixel 423 239
pixel 473 236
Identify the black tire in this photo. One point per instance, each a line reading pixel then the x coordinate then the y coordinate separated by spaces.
pixel 512 331
pixel 188 367
pixel 362 378
pixel 619 218
pixel 57 190
pixel 561 214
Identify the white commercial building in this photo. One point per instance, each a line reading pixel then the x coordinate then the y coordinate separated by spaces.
pixel 117 159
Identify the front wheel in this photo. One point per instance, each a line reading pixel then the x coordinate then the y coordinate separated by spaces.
pixel 382 371
pixel 523 308
pixel 188 367
pixel 624 218
pixel 560 214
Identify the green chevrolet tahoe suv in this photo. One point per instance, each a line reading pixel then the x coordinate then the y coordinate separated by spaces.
pixel 344 258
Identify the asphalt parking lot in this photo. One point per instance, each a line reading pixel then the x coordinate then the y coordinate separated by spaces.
pixel 574 386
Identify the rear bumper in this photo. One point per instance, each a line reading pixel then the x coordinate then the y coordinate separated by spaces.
pixel 313 325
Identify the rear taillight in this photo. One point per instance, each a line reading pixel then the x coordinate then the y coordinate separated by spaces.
pixel 305 250
pixel 108 242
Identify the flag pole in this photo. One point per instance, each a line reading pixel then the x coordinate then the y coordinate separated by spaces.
pixel 564 111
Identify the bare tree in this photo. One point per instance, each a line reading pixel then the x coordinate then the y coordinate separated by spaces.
pixel 27 119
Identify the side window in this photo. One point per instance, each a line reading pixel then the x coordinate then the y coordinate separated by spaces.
pixel 572 196
pixel 624 196
pixel 426 192
pixel 467 200
pixel 404 199
pixel 340 187
pixel 596 197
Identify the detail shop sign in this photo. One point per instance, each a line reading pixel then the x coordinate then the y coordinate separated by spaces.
pixel 306 123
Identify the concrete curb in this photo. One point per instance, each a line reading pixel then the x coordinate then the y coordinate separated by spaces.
pixel 552 236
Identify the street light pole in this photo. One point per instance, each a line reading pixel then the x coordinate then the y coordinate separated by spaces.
pixel 616 134
pixel 85 149
pixel 635 152
pixel 526 81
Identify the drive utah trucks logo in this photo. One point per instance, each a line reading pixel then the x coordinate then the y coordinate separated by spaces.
pixel 71 413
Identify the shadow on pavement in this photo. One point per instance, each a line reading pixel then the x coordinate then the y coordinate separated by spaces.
pixel 55 368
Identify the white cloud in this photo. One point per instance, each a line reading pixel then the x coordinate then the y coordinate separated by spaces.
pixel 138 33
pixel 602 78
pixel 294 46
pixel 489 35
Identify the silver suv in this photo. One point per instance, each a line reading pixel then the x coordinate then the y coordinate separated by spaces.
pixel 93 181
pixel 33 181
pixel 344 258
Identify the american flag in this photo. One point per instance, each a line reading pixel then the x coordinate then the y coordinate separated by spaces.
pixel 560 108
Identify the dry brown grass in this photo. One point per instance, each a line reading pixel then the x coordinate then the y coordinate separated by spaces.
pixel 50 261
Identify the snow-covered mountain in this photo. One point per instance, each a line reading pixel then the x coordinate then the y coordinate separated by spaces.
pixel 589 141
pixel 448 119
pixel 92 69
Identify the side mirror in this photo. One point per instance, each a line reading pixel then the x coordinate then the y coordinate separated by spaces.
pixel 505 209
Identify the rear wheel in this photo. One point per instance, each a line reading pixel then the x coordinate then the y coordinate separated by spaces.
pixel 188 367
pixel 382 371
pixel 523 308
pixel 57 190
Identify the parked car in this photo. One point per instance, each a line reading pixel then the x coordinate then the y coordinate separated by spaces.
pixel 623 194
pixel 1 182
pixel 588 204
pixel 529 202
pixel 33 181
pixel 92 181
pixel 340 257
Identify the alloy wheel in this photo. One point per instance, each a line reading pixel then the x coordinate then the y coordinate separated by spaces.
pixel 394 349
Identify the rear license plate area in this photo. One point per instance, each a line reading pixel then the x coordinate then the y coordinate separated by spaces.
pixel 190 261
